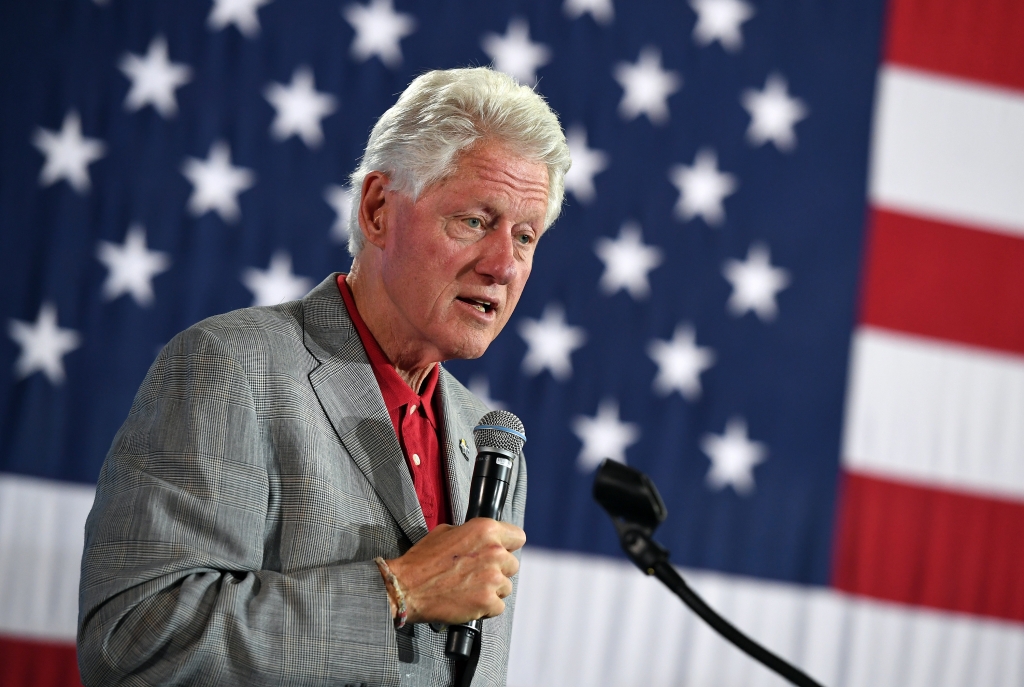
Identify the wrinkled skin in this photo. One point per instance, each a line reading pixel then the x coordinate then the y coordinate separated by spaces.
pixel 455 574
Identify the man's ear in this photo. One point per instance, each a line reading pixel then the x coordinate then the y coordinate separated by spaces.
pixel 372 220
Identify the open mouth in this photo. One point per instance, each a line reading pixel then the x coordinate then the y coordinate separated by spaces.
pixel 482 306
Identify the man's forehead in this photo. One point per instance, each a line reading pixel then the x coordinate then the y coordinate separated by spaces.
pixel 498 164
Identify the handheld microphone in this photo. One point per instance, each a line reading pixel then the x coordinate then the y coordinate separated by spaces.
pixel 499 438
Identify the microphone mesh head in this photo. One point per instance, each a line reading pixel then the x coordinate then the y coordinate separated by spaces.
pixel 500 429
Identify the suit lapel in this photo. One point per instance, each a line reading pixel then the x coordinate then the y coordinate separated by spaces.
pixel 348 392
pixel 458 451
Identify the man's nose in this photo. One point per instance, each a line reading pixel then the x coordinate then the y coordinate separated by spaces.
pixel 497 259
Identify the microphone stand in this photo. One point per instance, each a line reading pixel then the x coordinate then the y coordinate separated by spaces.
pixel 652 558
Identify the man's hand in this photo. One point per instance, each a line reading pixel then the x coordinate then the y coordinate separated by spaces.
pixel 457 574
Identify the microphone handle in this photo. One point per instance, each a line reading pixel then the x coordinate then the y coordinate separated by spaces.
pixel 490 485
pixel 487 494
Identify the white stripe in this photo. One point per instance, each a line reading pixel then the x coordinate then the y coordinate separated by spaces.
pixel 41 538
pixel 937 413
pixel 949 149
pixel 596 622
pixel 583 620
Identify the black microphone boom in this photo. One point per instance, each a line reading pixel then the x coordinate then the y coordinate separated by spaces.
pixel 499 438
pixel 631 498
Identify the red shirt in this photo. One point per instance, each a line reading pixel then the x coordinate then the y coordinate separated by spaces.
pixel 413 417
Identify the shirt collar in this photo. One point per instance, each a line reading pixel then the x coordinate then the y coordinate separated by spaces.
pixel 393 388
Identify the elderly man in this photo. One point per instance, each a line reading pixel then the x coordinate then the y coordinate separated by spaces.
pixel 272 454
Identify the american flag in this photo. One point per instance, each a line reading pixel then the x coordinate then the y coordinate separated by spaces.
pixel 788 284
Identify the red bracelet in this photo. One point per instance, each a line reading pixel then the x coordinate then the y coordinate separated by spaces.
pixel 402 613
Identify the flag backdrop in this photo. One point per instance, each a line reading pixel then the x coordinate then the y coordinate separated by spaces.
pixel 788 284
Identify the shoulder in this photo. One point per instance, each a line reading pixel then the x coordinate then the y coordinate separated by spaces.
pixel 241 334
pixel 277 328
pixel 221 356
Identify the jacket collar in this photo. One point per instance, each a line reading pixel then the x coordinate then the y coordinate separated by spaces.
pixel 348 392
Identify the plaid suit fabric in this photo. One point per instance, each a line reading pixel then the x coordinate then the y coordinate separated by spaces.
pixel 242 502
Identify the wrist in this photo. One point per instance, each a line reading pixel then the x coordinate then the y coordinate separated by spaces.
pixel 396 595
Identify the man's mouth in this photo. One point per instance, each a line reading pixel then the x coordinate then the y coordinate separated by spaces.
pixel 481 305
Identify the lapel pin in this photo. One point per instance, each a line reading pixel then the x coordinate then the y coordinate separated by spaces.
pixel 465 448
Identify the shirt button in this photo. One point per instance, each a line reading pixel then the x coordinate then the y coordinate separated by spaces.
pixel 412 409
pixel 416 458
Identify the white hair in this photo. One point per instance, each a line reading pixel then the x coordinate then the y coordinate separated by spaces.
pixel 444 112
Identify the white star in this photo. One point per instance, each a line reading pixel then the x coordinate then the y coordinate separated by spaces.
pixel 551 341
pixel 43 345
pixel 68 153
pixel 719 20
pixel 300 107
pixel 627 261
pixel 755 283
pixel 378 30
pixel 773 114
pixel 154 79
pixel 601 10
pixel 733 457
pixel 702 188
pixel 603 436
pixel 340 199
pixel 276 284
pixel 680 363
pixel 514 53
pixel 586 164
pixel 480 388
pixel 646 87
pixel 131 266
pixel 241 13
pixel 216 183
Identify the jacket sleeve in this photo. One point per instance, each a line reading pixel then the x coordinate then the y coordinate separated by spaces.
pixel 174 589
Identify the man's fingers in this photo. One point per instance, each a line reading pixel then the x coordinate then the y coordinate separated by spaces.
pixel 496 609
pixel 509 565
pixel 456 573
pixel 512 537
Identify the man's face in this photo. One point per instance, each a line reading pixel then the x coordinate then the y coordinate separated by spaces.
pixel 455 261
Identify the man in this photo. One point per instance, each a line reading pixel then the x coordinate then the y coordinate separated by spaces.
pixel 272 454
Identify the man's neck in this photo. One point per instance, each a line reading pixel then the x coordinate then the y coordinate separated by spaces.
pixel 415 378
pixel 412 366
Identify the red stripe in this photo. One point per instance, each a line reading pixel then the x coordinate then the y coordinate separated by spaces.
pixel 930 547
pixel 944 281
pixel 25 663
pixel 974 39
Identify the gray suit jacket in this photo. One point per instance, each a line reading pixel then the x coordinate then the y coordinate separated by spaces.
pixel 241 505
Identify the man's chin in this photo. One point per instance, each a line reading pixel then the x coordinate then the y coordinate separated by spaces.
pixel 467 353
pixel 468 348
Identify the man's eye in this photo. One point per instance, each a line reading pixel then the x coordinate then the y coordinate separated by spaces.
pixel 525 239
pixel 474 223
